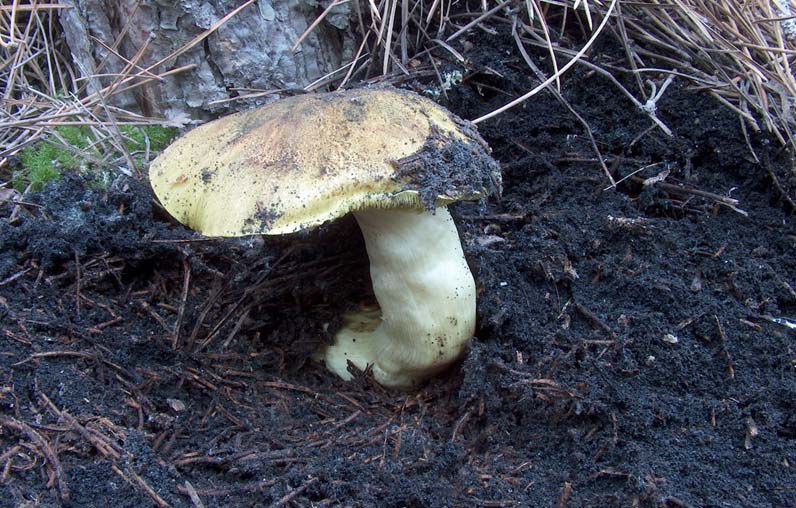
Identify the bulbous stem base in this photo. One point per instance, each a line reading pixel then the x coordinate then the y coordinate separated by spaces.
pixel 427 297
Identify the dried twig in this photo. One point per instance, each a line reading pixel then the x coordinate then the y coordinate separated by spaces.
pixel 743 49
pixel 100 442
pixel 565 493
pixel 777 184
pixel 730 203
pixel 45 449
pixel 557 94
pixel 725 351
pixel 591 316
pixel 195 499
pixel 555 76
pixel 292 494
pixel 175 338
pixel 460 423
pixel 135 479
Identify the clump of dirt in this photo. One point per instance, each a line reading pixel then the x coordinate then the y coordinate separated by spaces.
pixel 77 221
pixel 634 347
pixel 450 169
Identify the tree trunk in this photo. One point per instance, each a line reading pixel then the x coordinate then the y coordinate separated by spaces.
pixel 250 52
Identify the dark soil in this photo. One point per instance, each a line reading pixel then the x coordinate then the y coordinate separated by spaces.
pixel 635 346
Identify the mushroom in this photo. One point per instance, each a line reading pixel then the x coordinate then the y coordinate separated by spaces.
pixel 390 157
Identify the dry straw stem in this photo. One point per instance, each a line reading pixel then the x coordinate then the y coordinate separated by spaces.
pixel 398 37
pixel 42 89
pixel 741 52
pixel 738 51
pixel 43 447
pixel 556 75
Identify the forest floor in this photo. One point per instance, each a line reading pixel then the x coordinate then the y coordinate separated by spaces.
pixel 635 345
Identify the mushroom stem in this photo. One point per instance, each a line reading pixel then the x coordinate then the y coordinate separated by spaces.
pixel 427 298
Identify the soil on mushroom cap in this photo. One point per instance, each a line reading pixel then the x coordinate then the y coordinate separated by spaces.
pixel 574 378
pixel 450 168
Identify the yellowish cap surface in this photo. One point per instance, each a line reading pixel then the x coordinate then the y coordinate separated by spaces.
pixel 302 161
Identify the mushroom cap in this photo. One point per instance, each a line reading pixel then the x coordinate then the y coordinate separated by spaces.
pixel 304 160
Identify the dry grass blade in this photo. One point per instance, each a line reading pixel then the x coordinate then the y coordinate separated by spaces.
pixel 42 88
pixel 535 9
pixel 566 104
pixel 745 49
pixel 556 75
pixel 43 447
pixel 37 80
pixel 96 97
pixel 420 30
pixel 316 22
pixel 741 51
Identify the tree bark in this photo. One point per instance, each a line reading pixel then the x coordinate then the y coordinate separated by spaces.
pixel 251 51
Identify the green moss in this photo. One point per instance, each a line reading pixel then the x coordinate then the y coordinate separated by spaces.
pixel 78 136
pixel 158 135
pixel 46 161
pixel 40 164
